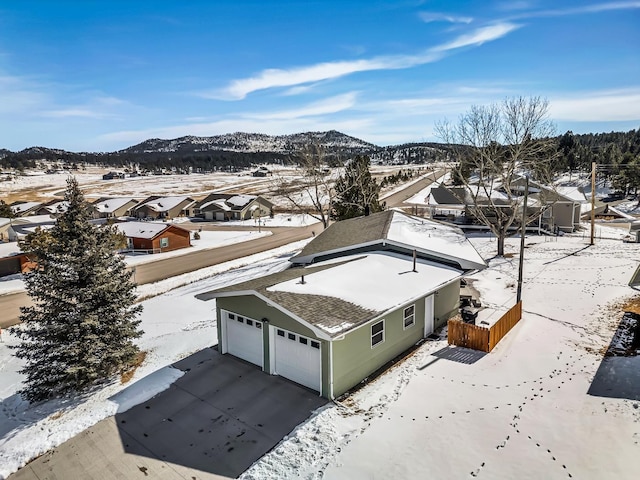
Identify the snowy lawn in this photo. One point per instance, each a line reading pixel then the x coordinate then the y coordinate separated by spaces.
pixel 175 325
pixel 521 411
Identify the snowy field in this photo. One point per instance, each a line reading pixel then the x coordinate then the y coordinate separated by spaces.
pixel 521 411
pixel 36 185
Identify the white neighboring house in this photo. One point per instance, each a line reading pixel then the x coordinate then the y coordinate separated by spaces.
pixel 163 207
pixel 24 208
pixel 20 227
pixel 113 207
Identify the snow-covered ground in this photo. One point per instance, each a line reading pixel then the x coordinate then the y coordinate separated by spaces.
pixel 521 411
pixel 175 325
pixel 208 239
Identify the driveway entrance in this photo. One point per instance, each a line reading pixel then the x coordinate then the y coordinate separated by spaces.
pixel 217 419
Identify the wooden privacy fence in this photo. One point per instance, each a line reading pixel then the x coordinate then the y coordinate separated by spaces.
pixel 480 338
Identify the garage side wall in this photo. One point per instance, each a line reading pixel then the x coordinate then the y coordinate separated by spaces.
pixel 255 308
pixel 446 304
pixel 354 358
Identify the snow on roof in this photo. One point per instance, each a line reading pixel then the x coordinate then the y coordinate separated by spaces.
pixel 4 221
pixel 164 204
pixel 8 249
pixel 378 281
pixel 220 203
pixel 241 200
pixel 440 239
pixel 57 207
pixel 572 193
pixel 112 204
pixel 33 219
pixel 141 229
pixel 23 207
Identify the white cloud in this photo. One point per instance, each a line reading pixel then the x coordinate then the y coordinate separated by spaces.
pixel 322 107
pixel 272 78
pixel 429 17
pixel 598 106
pixel 593 8
pixel 479 36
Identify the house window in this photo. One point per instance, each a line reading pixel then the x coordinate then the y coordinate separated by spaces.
pixel 315 344
pixel 164 242
pixel 409 316
pixel 303 340
pixel 377 333
pixel 232 316
pixel 250 322
pixel 281 333
pixel 292 336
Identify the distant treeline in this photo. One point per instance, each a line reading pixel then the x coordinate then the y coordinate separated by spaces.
pixel 614 152
pixel 577 152
pixel 205 161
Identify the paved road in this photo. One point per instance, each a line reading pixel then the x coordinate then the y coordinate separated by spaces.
pixel 397 199
pixel 169 267
pixel 213 422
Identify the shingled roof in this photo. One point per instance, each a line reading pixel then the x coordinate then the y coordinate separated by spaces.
pixel 333 316
pixel 338 296
pixel 395 231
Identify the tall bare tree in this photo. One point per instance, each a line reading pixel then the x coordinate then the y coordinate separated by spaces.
pixel 313 192
pixel 494 145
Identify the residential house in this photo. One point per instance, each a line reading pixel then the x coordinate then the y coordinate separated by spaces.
pixel 12 259
pixel 53 207
pixel 261 172
pixel 5 224
pixel 562 204
pixel 156 207
pixel 113 207
pixel 20 227
pixel 231 206
pixel 154 237
pixel 113 176
pixel 607 212
pixel 360 294
pixel 22 209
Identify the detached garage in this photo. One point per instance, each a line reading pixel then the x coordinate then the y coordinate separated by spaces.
pixel 365 290
pixel 309 325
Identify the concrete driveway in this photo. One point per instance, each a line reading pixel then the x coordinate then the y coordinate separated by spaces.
pixel 216 420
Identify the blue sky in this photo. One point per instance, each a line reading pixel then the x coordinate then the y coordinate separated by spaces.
pixel 104 75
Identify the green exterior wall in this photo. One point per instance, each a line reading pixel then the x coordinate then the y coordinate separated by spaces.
pixel 353 357
pixel 446 304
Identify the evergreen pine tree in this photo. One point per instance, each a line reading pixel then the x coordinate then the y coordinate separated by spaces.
pixel 81 326
pixel 356 191
pixel 5 210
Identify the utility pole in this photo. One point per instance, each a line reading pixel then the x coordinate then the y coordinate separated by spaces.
pixel 522 230
pixel 593 202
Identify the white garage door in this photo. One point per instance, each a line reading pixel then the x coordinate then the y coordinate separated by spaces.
pixel 297 358
pixel 243 338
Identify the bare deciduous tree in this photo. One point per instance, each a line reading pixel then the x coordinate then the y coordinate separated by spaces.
pixel 313 193
pixel 494 145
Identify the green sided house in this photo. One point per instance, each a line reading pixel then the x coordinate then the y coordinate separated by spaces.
pixel 360 294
